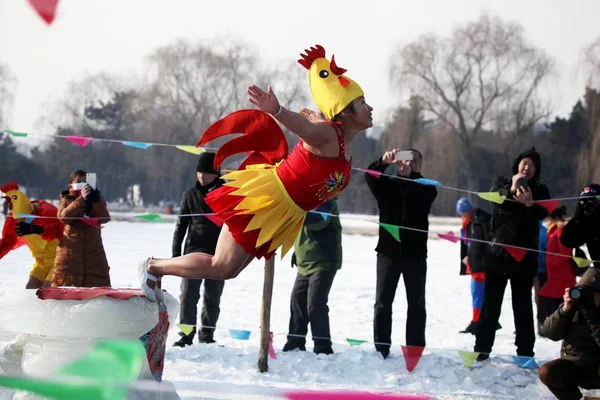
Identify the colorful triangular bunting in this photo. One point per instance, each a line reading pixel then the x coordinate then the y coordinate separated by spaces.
pixel 468 357
pixel 150 217
pixel 239 335
pixel 582 262
pixel 272 353
pixel 376 174
pixel 515 252
pixel 46 9
pixel 28 217
pixel 15 134
pixel 412 355
pixel 355 342
pixel 138 145
pixel 79 140
pixel 525 362
pixel 494 197
pixel 428 182
pixel 94 222
pixel 192 149
pixel 394 230
pixel 450 236
pixel 186 329
pixel 549 205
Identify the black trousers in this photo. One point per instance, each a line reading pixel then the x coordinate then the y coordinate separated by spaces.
pixel 388 276
pixel 564 378
pixel 308 304
pixel 495 284
pixel 190 295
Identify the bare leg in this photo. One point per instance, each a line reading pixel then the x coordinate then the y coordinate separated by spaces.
pixel 229 260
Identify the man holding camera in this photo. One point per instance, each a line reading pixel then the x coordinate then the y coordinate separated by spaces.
pixel 405 203
pixel 575 324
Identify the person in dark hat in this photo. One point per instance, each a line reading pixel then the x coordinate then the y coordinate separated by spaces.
pixel 584 227
pixel 515 226
pixel 202 234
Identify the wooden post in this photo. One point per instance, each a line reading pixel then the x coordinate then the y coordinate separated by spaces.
pixel 265 315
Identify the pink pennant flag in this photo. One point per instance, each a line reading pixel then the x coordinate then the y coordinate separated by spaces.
pixel 376 174
pixel 515 252
pixel 450 236
pixel 271 349
pixel 79 140
pixel 94 222
pixel 337 395
pixel 214 219
pixel 45 9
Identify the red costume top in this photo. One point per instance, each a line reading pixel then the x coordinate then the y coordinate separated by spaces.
pixel 558 268
pixel 266 200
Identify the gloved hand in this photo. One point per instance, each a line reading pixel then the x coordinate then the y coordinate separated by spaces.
pixel 23 229
pixel 93 196
pixel 294 263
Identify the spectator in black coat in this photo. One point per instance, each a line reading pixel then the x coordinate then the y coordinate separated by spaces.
pixel 584 227
pixel 406 203
pixel 514 222
pixel 202 235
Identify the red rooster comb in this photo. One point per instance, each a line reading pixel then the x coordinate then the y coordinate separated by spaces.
pixel 334 68
pixel 311 55
pixel 12 185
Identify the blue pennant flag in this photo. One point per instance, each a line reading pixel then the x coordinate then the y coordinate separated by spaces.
pixel 525 362
pixel 28 217
pixel 137 145
pixel 239 335
pixel 430 182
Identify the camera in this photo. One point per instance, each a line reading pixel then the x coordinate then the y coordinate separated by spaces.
pixel 576 292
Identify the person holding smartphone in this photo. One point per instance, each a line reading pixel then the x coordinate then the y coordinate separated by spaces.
pixel 80 256
pixel 515 222
pixel 404 203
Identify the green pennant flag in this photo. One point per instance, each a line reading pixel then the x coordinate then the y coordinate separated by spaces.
pixel 394 230
pixel 494 197
pixel 468 357
pixel 150 217
pixel 16 134
pixel 102 373
pixel 582 262
pixel 355 342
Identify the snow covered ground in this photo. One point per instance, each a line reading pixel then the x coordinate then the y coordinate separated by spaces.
pixel 229 372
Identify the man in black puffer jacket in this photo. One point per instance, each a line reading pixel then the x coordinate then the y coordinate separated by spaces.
pixel 202 235
pixel 514 222
pixel 584 227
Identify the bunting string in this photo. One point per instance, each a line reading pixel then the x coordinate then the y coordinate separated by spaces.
pixel 494 197
pixel 518 252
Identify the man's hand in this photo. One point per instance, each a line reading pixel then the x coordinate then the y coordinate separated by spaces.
pixel 568 301
pixel 23 229
pixel 389 157
pixel 90 195
pixel 465 260
pixel 515 179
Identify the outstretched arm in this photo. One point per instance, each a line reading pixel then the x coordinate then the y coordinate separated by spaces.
pixel 312 133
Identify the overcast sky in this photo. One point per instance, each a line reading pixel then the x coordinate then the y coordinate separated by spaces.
pixel 90 36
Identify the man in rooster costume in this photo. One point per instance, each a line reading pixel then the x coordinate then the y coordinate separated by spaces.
pixel 264 204
pixel 40 234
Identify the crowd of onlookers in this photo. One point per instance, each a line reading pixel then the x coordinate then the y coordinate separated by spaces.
pixel 522 242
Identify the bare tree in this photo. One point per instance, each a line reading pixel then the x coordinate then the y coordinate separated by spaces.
pixel 591 63
pixel 588 166
pixel 485 76
pixel 7 83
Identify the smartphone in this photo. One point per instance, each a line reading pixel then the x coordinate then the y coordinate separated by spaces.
pixel 90 178
pixel 404 155
pixel 522 183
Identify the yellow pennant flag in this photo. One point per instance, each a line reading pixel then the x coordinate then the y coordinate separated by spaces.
pixel 468 357
pixel 494 197
pixel 582 262
pixel 192 149
pixel 186 329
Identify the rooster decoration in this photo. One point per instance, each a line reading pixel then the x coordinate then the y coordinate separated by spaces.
pixel 41 235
